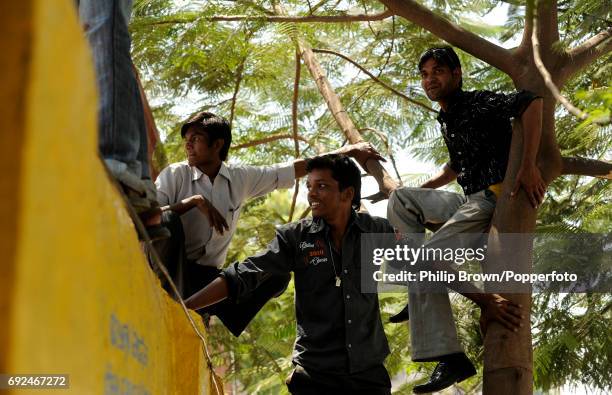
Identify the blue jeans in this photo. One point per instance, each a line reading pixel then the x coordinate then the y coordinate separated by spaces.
pixel 122 130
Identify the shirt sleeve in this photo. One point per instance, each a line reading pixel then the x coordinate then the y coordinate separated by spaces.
pixel 454 166
pixel 510 105
pixel 260 180
pixel 166 184
pixel 242 278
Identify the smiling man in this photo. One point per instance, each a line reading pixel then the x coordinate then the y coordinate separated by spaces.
pixel 340 345
pixel 477 130
pixel 202 198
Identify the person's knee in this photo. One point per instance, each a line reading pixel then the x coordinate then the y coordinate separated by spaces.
pixel 397 200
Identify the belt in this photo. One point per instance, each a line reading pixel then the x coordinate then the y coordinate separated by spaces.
pixel 496 189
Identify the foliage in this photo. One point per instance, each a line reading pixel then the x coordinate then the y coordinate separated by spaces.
pixel 245 71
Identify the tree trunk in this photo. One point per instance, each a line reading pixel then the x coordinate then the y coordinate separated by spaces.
pixel 508 356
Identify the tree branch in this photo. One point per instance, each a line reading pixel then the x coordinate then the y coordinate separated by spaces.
pixel 586 167
pixel 537 58
pixel 587 52
pixel 385 141
pixel 271 18
pixel 475 45
pixel 268 139
pixel 525 45
pixel 548 28
pixel 294 124
pixel 385 182
pixel 236 89
pixel 377 80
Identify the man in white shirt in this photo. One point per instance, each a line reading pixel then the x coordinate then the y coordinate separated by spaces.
pixel 201 200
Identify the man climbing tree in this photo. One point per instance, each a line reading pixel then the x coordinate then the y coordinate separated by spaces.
pixel 477 131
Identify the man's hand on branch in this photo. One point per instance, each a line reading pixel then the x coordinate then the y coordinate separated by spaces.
pixel 530 179
pixel 496 308
pixel 361 152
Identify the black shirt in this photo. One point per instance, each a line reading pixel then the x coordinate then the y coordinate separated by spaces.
pixel 339 329
pixel 477 131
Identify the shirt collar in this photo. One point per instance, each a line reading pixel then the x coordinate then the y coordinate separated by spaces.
pixel 196 173
pixel 318 224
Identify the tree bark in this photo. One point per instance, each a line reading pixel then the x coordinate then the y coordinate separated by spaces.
pixel 585 54
pixel 586 167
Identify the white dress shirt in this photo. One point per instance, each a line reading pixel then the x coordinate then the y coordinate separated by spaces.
pixel 231 187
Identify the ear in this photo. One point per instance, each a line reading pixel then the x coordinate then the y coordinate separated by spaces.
pixel 457 73
pixel 218 144
pixel 348 194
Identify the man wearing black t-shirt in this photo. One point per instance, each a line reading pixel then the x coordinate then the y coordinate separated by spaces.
pixel 477 130
pixel 340 345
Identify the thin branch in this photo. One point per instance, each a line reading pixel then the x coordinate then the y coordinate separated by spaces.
pixel 271 18
pixel 587 52
pixel 385 141
pixel 267 140
pixel 239 76
pixel 373 77
pixel 294 124
pixel 586 167
pixel 537 58
pixel 455 35
pixel 318 5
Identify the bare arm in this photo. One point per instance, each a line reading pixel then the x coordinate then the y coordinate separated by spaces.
pixel 529 176
pixel 213 293
pixel 183 206
pixel 215 218
pixel 445 176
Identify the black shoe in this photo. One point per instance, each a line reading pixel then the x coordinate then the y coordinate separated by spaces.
pixel 452 369
pixel 400 317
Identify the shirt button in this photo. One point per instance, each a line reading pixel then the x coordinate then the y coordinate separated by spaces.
pixel 349 345
pixel 345 271
pixel 349 321
pixel 459 152
pixel 348 296
pixel 453 135
pixel 463 168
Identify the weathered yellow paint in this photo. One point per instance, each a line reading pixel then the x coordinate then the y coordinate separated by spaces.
pixel 77 296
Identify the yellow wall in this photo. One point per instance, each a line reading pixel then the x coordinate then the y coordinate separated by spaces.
pixel 76 294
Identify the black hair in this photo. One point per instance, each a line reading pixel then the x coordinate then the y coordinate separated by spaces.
pixel 443 55
pixel 343 170
pixel 215 127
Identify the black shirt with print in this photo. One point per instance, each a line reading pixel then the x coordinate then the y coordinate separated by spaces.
pixel 477 130
pixel 339 329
